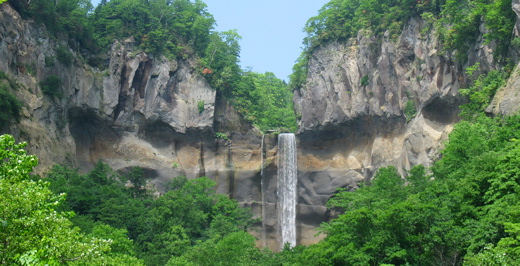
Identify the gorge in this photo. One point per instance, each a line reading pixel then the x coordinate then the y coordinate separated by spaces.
pixel 162 115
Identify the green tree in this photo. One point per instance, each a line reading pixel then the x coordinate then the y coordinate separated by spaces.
pixel 158 26
pixel 481 92
pixel 233 249
pixel 506 252
pixel 390 222
pixel 189 213
pixel 99 196
pixel 138 180
pixel 31 231
pixel 221 58
pixel 64 16
pixel 265 100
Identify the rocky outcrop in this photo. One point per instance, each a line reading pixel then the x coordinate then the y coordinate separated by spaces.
pixel 352 109
pixel 356 93
pixel 133 95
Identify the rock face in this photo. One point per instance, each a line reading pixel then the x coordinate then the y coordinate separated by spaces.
pixel 163 116
pixel 352 110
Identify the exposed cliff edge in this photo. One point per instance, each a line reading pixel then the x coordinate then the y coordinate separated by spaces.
pixel 162 115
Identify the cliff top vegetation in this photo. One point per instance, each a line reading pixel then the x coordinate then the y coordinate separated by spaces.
pixel 456 22
pixel 175 29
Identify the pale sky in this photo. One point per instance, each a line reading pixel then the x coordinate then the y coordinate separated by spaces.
pixel 271 30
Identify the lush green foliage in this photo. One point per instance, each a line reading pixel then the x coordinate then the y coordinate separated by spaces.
pixel 299 71
pixel 466 211
pixel 9 105
pixel 266 101
pixel 481 92
pixel 64 56
pixel 99 197
pixel 233 249
pixel 200 106
pixel 459 24
pixel 189 214
pixel 219 63
pixel 342 19
pixel 67 18
pixel 159 26
pixel 409 110
pixel 32 232
pixel 364 81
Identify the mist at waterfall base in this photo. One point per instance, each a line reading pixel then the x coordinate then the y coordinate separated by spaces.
pixel 287 181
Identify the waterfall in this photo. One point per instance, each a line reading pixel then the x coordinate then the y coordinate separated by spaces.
pixel 287 180
pixel 262 188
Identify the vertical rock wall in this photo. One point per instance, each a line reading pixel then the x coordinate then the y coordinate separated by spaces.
pixel 352 110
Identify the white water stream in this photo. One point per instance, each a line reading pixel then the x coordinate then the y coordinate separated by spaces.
pixel 287 180
pixel 262 188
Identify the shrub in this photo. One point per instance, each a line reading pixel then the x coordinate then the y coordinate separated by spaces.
pixel 482 91
pixel 409 110
pixel 12 82
pixel 220 135
pixel 64 56
pixel 364 81
pixel 51 86
pixel 9 105
pixel 49 61
pixel 200 105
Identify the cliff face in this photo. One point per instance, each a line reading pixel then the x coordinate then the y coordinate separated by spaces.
pixel 352 105
pixel 162 115
pixel 352 108
pixel 104 113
